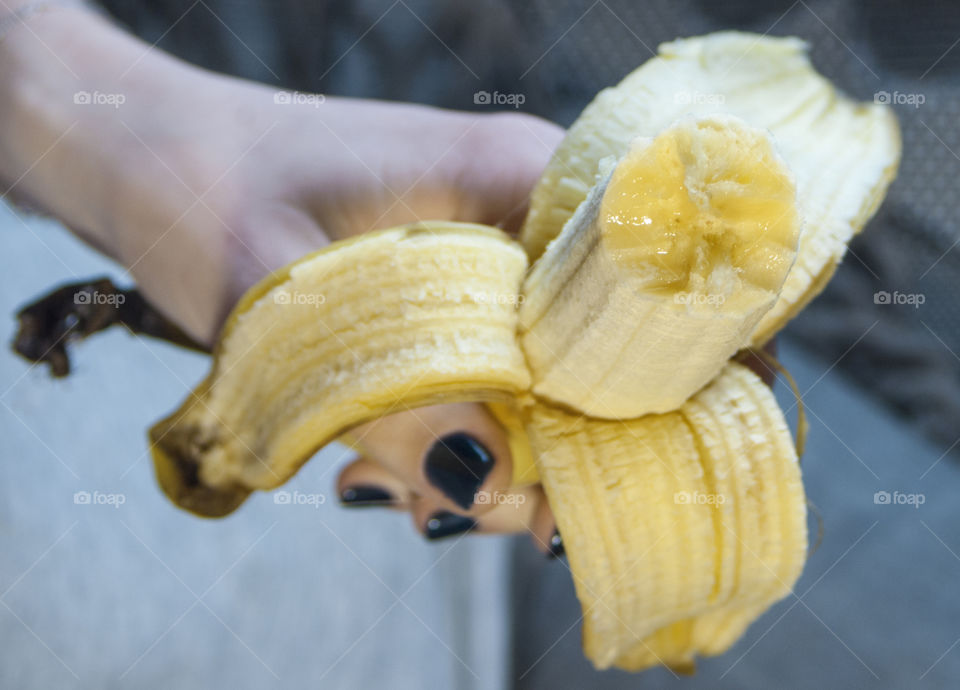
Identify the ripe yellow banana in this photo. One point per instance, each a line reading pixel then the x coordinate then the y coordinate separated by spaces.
pixel 668 467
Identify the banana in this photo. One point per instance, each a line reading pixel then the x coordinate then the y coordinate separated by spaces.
pixel 843 154
pixel 308 354
pixel 663 271
pixel 666 236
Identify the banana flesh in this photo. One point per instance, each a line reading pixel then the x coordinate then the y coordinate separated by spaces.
pixel 663 272
pixel 843 154
pixel 668 467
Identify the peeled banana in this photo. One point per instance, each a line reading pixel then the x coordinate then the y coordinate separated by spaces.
pixel 843 154
pixel 666 236
pixel 663 271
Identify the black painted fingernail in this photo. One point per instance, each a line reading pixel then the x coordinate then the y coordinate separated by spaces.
pixel 365 496
pixel 555 546
pixel 445 524
pixel 457 464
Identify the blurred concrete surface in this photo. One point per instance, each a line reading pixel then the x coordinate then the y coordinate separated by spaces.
pixel 142 595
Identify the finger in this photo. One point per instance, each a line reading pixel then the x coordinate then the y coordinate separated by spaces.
pixel 446 453
pixel 511 511
pixel 363 483
pixel 543 530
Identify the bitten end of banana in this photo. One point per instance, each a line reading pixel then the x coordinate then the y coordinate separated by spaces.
pixel 663 271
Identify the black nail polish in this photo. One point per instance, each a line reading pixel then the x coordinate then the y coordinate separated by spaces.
pixel 555 546
pixel 457 464
pixel 445 524
pixel 365 496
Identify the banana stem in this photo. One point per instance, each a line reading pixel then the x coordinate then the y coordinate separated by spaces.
pixel 73 312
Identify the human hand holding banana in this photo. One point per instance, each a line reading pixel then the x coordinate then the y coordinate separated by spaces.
pixel 666 235
pixel 201 184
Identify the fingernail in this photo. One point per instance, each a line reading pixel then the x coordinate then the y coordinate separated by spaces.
pixel 555 546
pixel 445 524
pixel 457 464
pixel 365 496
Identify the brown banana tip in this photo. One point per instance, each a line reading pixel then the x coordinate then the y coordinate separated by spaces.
pixel 179 478
pixel 72 312
pixel 684 669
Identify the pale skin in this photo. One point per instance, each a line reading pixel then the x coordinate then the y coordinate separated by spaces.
pixel 200 184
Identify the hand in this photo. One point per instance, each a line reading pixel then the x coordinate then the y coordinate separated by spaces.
pixel 201 184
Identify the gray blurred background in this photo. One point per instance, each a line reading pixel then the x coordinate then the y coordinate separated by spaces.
pixel 144 596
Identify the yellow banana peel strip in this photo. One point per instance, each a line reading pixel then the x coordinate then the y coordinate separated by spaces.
pixel 390 320
pixel 678 497
pixel 680 528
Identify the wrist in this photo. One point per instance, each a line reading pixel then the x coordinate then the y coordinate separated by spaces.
pixel 75 94
pixel 33 77
pixel 16 15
